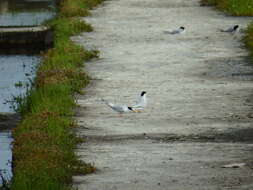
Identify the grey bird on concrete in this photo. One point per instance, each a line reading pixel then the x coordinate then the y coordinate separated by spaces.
pixel 118 108
pixel 176 31
pixel 232 29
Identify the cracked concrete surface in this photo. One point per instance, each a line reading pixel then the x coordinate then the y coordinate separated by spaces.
pixel 197 83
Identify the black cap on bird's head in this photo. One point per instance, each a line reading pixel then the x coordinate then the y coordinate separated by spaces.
pixel 143 92
pixel 182 27
pixel 130 108
pixel 236 26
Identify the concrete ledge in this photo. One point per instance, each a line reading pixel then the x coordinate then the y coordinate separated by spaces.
pixel 25 37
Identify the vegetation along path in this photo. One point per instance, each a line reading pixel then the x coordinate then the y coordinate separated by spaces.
pixel 199 87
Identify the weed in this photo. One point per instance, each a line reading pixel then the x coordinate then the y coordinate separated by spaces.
pixel 234 7
pixel 43 147
pixel 18 84
pixel 248 39
pixel 4 181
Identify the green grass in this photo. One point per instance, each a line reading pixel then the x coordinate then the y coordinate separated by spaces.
pixel 72 8
pixel 44 142
pixel 233 7
pixel 248 39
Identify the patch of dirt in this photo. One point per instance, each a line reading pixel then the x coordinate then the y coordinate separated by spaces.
pixel 239 68
pixel 231 136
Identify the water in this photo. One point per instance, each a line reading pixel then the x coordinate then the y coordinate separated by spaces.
pixel 25 12
pixel 17 70
pixel 15 73
pixel 5 155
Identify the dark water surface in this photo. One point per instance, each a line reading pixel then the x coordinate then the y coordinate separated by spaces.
pixel 17 70
pixel 25 12
pixel 5 155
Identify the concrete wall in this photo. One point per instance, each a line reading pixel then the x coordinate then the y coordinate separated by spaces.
pixel 39 37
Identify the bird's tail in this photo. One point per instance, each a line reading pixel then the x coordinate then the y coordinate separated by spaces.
pixel 106 102
pixel 167 32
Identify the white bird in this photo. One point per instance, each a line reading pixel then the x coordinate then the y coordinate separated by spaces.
pixel 231 30
pixel 118 108
pixel 177 31
pixel 141 103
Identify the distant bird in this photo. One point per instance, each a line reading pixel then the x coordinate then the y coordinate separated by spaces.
pixel 231 30
pixel 118 108
pixel 141 103
pixel 177 31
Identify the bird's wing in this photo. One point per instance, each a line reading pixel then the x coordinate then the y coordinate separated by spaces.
pixel 167 32
pixel 140 103
pixel 227 30
pixel 111 105
pixel 174 32
pixel 117 108
pixel 230 30
pixel 171 32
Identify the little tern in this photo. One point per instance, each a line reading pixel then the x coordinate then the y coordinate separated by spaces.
pixel 177 31
pixel 141 103
pixel 118 108
pixel 231 30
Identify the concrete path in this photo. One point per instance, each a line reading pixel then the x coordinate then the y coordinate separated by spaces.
pixel 199 86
